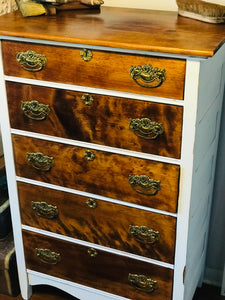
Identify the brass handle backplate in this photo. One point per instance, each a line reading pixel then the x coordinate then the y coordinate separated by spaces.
pixel 47 256
pixel 31 61
pixel 92 252
pixel 86 54
pixel 143 234
pixel 35 110
pixel 40 162
pixel 148 77
pixel 143 283
pixel 87 99
pixel 144 185
pixel 145 128
pixel 44 210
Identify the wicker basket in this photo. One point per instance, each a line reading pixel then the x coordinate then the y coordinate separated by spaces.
pixel 202 10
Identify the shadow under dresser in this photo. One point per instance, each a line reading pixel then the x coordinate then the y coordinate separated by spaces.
pixel 110 126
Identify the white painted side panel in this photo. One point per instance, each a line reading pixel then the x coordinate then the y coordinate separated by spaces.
pixel 205 151
pixel 187 152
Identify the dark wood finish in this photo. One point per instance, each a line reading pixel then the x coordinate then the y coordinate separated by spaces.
pixel 107 272
pixel 107 224
pixel 121 28
pixel 104 122
pixel 108 70
pixel 106 175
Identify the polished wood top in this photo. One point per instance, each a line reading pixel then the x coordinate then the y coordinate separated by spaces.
pixel 156 31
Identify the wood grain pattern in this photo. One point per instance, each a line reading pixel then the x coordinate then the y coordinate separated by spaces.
pixel 106 225
pixel 105 122
pixel 106 175
pixel 108 272
pixel 148 30
pixel 105 70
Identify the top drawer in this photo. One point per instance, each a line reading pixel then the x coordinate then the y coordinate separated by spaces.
pixel 109 70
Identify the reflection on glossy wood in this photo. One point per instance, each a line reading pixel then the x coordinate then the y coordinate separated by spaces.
pixel 107 224
pixel 106 271
pixel 106 175
pixel 106 121
pixel 106 69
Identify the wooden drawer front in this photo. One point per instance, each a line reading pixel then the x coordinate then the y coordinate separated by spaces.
pixel 100 222
pixel 106 121
pixel 108 174
pixel 106 70
pixel 102 270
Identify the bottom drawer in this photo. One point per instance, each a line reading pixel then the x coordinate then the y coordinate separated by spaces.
pixel 98 269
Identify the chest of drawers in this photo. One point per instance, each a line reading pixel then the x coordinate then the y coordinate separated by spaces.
pixel 110 127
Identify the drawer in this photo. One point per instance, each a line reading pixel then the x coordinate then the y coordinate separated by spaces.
pixel 126 178
pixel 126 123
pixel 108 224
pixel 98 269
pixel 108 70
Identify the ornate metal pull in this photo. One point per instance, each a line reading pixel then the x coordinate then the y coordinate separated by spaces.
pixel 44 210
pixel 92 252
pixel 143 283
pixel 143 234
pixel 87 99
pixel 86 54
pixel 91 203
pixel 147 185
pixel 47 256
pixel 145 128
pixel 149 75
pixel 89 155
pixel 35 110
pixel 40 162
pixel 31 61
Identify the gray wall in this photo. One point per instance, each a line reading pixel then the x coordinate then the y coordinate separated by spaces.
pixel 216 243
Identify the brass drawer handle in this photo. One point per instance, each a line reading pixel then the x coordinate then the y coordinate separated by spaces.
pixel 45 210
pixel 47 256
pixel 154 77
pixel 92 252
pixel 143 234
pixel 143 283
pixel 91 203
pixel 31 61
pixel 40 162
pixel 35 110
pixel 89 155
pixel 144 185
pixel 145 128
pixel 87 99
pixel 86 54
